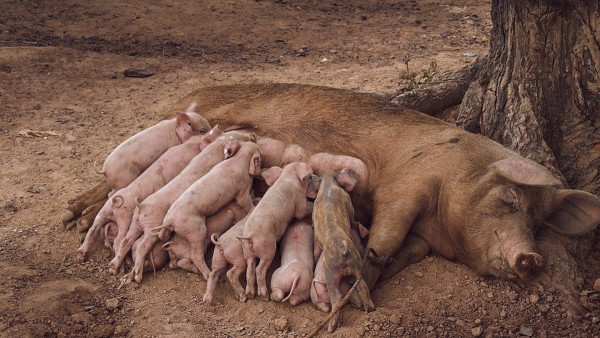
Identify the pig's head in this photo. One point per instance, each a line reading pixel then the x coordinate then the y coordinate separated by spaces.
pixel 309 180
pixel 495 225
pixel 190 123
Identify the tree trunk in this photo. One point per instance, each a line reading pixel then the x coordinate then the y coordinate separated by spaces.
pixel 540 94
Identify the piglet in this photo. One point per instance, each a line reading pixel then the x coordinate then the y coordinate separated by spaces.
pixel 120 207
pixel 295 274
pixel 132 157
pixel 333 218
pixel 179 248
pixel 284 200
pixel 155 259
pixel 227 181
pixel 228 251
pixel 151 212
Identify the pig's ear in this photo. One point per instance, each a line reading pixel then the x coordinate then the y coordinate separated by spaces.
pixel 347 179
pixel 231 148
pixel 312 187
pixel 574 212
pixel 183 129
pixel 191 108
pixel 254 165
pixel 302 170
pixel 523 171
pixel 214 133
pixel 271 175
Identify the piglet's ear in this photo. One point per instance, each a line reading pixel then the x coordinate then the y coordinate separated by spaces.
pixel 231 148
pixel 574 212
pixel 347 179
pixel 183 129
pixel 254 165
pixel 271 175
pixel 302 170
pixel 523 171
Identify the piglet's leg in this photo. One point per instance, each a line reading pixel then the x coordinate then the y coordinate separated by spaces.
pixel 125 246
pixel 211 284
pixel 188 265
pixel 143 248
pixel 413 250
pixel 261 278
pixel 234 279
pixel 99 222
pixel 197 238
pixel 335 295
pixel 250 278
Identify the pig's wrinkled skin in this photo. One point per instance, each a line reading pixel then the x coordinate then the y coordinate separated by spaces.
pixel 292 280
pixel 121 205
pixel 132 157
pixel 333 220
pixel 467 197
pixel 151 212
pixel 228 181
pixel 286 199
pixel 228 251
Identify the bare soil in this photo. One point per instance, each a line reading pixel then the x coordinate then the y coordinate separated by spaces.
pixel 61 74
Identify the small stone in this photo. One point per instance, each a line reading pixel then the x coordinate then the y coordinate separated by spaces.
pixel 534 298
pixel 376 327
pixel 490 295
pixel 82 317
pixel 477 331
pixel 37 106
pixel 513 295
pixel 597 284
pixel 526 331
pixel 502 314
pixel 430 328
pixel 409 288
pixel 550 298
pixel 281 324
pixel 103 331
pixel 460 322
pixel 360 331
pixel 112 304
pixel 395 319
pixel 595 320
pixel 119 330
pixel 452 319
pixel 10 206
pixel 477 321
pixel 419 274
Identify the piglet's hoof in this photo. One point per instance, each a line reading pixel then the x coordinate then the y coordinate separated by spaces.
pixel 242 298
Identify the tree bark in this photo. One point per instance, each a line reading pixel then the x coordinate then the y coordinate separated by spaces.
pixel 541 93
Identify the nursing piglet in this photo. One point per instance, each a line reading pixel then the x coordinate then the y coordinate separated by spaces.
pixel 295 274
pixel 228 251
pixel 155 259
pixel 120 207
pixel 284 200
pixel 333 216
pixel 151 212
pixel 230 180
pixel 132 157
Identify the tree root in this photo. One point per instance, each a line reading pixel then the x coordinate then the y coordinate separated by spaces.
pixel 443 92
pixel 77 206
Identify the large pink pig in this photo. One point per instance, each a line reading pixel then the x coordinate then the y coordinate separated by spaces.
pixel 286 199
pixel 228 181
pixel 151 212
pixel 295 274
pixel 120 207
pixel 228 251
pixel 132 157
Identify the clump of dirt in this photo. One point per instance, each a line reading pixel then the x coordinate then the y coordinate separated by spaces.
pixel 66 103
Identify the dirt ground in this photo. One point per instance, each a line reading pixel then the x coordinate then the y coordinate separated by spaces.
pixel 61 73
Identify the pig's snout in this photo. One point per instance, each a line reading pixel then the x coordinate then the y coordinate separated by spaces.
pixel 527 264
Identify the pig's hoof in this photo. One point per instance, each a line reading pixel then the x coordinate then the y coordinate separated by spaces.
pixel 81 255
pixel 112 269
pixel 242 298
pixel 323 307
pixel 66 216
pixel 250 295
pixel 206 300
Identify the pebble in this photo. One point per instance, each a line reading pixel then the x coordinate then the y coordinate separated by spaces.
pixel 281 324
pixel 534 298
pixel 103 331
pixel 119 330
pixel 376 327
pixel 477 331
pixel 595 320
pixel 477 321
pixel 429 328
pixel 526 331
pixel 360 331
pixel 597 284
pixel 419 274
pixel 10 206
pixel 82 317
pixel 112 304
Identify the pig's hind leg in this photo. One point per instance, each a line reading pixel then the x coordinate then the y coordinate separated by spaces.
pixel 99 222
pixel 234 279
pixel 122 248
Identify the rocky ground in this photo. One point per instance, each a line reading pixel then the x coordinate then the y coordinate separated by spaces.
pixel 65 103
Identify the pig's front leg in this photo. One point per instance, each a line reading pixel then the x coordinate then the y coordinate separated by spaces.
pixel 391 225
pixel 99 222
pixel 197 238
pixel 335 296
pixel 218 269
pixel 413 250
